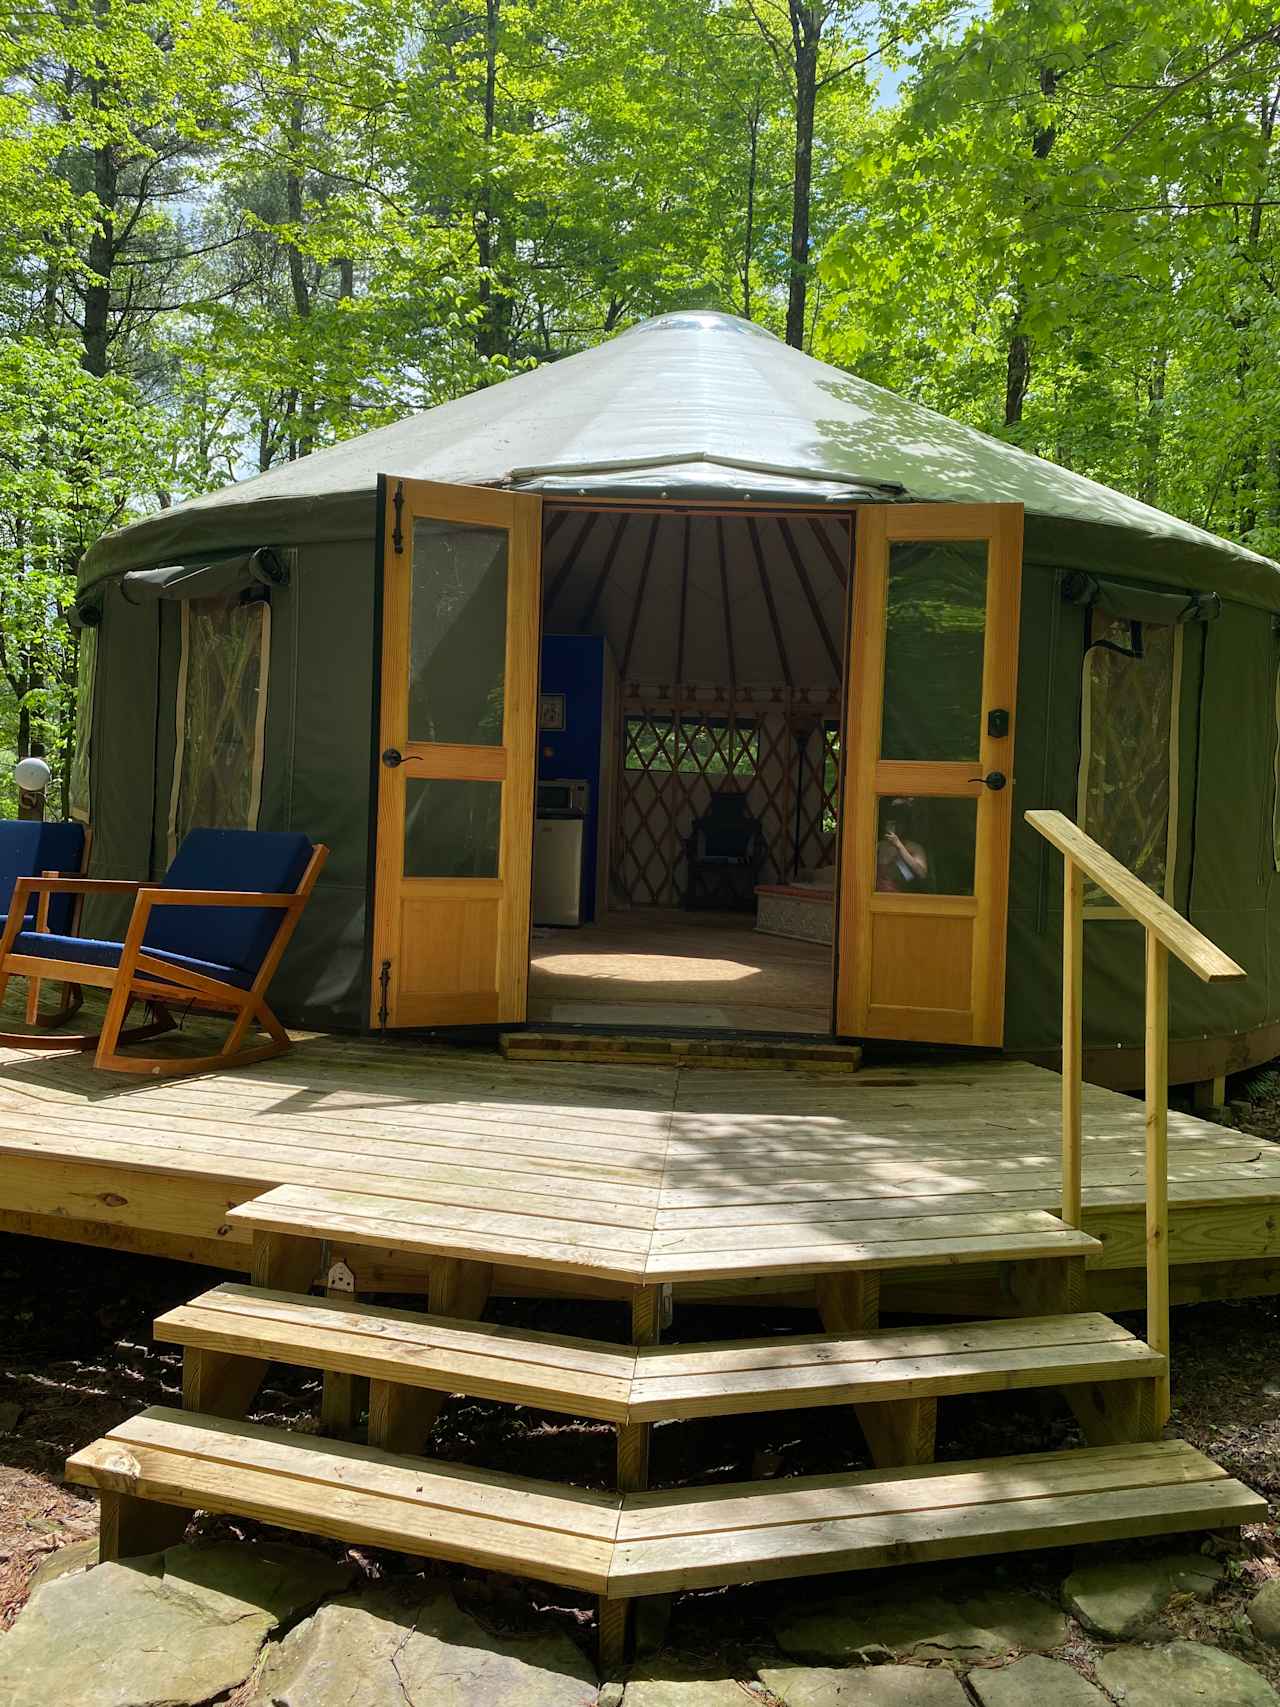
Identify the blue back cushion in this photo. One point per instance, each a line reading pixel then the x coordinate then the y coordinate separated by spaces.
pixel 28 848
pixel 268 860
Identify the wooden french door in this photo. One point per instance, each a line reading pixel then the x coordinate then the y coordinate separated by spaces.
pixel 928 804
pixel 461 611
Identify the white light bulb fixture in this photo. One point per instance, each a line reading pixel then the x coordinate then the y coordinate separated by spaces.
pixel 33 775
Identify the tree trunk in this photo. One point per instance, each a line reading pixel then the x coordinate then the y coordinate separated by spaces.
pixel 95 335
pixel 749 233
pixel 1017 378
pixel 295 206
pixel 494 330
pixel 1246 483
pixel 1153 427
pixel 806 31
pixel 1017 369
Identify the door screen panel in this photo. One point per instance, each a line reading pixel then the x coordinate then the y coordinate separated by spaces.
pixel 926 846
pixel 458 633
pixel 935 636
pixel 452 828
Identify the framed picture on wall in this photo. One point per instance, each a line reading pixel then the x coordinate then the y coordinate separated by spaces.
pixel 551 711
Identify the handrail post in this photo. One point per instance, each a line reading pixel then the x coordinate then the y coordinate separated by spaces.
pixel 1072 1039
pixel 1167 932
pixel 1157 1148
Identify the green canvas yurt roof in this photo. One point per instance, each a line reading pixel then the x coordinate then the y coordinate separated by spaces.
pixel 705 406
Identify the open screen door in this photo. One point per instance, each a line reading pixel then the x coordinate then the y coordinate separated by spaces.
pixel 928 801
pixel 461 603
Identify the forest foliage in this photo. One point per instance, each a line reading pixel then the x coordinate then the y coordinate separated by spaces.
pixel 232 231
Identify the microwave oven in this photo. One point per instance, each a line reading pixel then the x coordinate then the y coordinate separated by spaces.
pixel 564 797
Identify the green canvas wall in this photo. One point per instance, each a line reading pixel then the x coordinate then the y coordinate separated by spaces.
pixel 319 753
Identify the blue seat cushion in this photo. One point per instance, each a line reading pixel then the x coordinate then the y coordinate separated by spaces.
pixel 90 951
pixel 271 861
pixel 28 848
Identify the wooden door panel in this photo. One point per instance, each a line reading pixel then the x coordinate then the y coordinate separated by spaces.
pixel 457 738
pixel 912 969
pixel 448 961
pixel 933 655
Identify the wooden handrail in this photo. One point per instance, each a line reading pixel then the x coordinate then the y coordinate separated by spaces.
pixel 1167 933
pixel 1177 934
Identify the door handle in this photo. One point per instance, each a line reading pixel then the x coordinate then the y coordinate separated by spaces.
pixel 995 780
pixel 392 756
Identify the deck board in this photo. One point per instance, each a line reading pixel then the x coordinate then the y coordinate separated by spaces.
pixel 676 1172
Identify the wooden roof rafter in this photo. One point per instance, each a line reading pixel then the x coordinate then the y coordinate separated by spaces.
pixel 553 526
pixel 839 565
pixel 606 568
pixel 728 614
pixel 758 550
pixel 570 559
pixel 641 587
pixel 684 600
pixel 811 598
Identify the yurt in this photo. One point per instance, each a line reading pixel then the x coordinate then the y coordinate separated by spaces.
pixel 690 683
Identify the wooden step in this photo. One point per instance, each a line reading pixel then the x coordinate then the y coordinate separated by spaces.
pixel 639 1049
pixel 619 1241
pixel 889 1364
pixel 553 1372
pixel 625 1384
pixel 356 1494
pixel 763 1530
pixel 874 1241
pixel 621 1545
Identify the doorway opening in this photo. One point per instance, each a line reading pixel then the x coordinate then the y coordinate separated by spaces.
pixel 689 763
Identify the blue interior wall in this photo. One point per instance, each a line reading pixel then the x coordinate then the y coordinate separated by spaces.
pixel 573 664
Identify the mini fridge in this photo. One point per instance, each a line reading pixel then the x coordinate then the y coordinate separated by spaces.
pixel 557 871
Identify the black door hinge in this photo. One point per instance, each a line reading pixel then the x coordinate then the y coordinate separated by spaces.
pixel 397 533
pixel 384 985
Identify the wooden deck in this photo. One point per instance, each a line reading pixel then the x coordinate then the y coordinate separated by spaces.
pixel 723 1181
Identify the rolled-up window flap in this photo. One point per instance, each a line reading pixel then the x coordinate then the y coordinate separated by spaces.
pixel 1129 602
pixel 249 572
pixel 86 612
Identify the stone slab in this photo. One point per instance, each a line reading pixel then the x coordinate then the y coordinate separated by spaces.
pixel 1124 1597
pixel 65 1561
pixel 1034 1681
pixel 1182 1674
pixel 415 1647
pixel 674 1683
pixel 864 1686
pixel 1264 1612
pixel 934 1620
pixel 166 1630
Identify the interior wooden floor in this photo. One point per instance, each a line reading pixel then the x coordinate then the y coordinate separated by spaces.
pixel 659 966
pixel 156 1166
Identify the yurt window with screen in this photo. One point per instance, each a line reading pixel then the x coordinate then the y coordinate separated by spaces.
pixel 221 715
pixel 1128 781
pixel 698 746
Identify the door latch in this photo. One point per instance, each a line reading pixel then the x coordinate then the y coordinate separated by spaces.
pixel 994 780
pixel 997 723
pixel 391 757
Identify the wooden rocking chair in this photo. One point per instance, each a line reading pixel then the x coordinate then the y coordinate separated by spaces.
pixel 209 936
pixel 29 847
